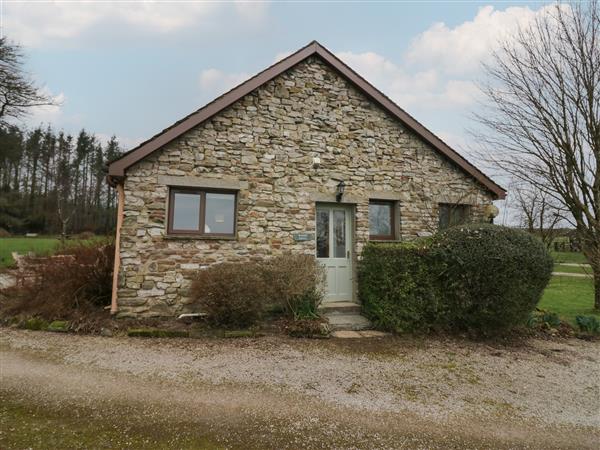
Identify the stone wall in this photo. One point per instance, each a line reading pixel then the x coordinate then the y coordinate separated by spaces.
pixel 266 143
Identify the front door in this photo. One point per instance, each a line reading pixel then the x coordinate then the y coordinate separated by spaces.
pixel 334 250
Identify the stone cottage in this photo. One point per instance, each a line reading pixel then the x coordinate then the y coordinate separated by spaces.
pixel 306 156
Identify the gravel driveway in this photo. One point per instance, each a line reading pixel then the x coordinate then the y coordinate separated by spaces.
pixel 276 392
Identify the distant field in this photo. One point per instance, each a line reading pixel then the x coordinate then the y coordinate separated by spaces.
pixel 43 245
pixel 569 297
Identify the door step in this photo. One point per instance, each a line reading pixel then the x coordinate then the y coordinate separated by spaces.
pixel 344 316
pixel 340 308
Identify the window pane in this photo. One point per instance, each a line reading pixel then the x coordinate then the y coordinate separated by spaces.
pixel 452 215
pixel 186 211
pixel 339 234
pixel 459 214
pixel 220 210
pixel 444 216
pixel 322 234
pixel 380 219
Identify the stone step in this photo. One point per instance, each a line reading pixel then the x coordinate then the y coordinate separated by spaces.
pixel 353 322
pixel 340 308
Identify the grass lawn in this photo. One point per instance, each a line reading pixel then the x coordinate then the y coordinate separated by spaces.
pixel 37 245
pixel 569 297
pixel 569 257
pixel 43 245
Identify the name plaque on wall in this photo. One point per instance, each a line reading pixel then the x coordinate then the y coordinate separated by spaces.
pixel 301 237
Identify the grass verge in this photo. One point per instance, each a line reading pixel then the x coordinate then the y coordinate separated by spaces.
pixel 569 297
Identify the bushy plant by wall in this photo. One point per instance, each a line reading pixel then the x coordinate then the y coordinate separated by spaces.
pixel 238 294
pixel 295 282
pixel 396 287
pixel 232 294
pixel 491 277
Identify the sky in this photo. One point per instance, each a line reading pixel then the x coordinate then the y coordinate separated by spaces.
pixel 132 68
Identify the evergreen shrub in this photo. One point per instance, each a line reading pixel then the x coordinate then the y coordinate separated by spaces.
pixel 478 278
pixel 491 277
pixel 396 286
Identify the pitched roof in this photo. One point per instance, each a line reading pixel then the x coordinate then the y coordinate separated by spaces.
pixel 117 168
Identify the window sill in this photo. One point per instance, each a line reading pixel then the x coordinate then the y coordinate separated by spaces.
pixel 384 240
pixel 197 237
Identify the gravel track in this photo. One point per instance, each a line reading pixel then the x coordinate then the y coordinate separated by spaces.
pixel 277 392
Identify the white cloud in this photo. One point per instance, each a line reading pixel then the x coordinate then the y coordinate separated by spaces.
pixel 441 64
pixel 252 11
pixel 461 49
pixel 125 142
pixel 38 24
pixel 425 89
pixel 460 92
pixel 437 71
pixel 217 82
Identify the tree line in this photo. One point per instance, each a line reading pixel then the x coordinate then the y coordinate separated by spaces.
pixel 53 183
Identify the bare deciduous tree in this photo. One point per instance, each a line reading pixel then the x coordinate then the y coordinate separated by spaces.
pixel 537 211
pixel 18 93
pixel 542 118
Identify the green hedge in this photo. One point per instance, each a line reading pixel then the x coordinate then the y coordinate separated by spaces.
pixel 396 288
pixel 477 278
pixel 492 277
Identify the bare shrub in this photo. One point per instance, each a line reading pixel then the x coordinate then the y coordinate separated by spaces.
pixel 232 294
pixel 238 294
pixel 86 235
pixel 308 328
pixel 294 281
pixel 76 281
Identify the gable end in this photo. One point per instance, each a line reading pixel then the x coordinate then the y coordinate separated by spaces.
pixel 117 168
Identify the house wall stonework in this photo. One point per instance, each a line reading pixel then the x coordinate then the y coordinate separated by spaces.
pixel 265 143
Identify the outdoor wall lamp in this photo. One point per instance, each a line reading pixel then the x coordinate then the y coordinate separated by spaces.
pixel 491 211
pixel 339 191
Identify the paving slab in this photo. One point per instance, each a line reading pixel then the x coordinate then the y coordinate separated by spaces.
pixel 569 274
pixel 7 280
pixel 373 333
pixel 350 334
pixel 346 334
pixel 354 322
pixel 573 264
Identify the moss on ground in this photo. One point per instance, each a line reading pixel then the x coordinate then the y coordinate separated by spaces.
pixel 60 326
pixel 34 323
pixel 43 428
pixel 157 333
